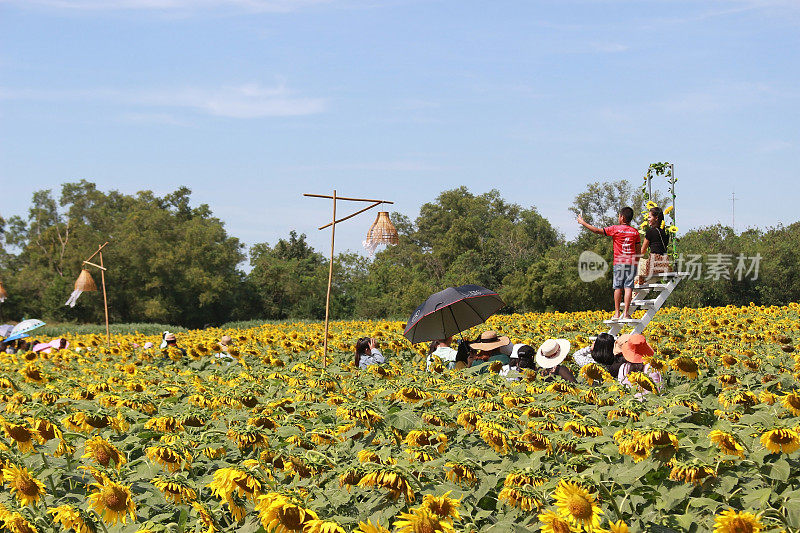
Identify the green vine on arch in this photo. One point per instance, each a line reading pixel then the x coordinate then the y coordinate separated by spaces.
pixel 667 170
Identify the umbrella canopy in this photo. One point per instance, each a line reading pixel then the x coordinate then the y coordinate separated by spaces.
pixel 452 311
pixel 22 329
pixel 5 330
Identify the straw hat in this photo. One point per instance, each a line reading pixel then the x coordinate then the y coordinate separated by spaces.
pixel 489 341
pixel 225 340
pixel 636 349
pixel 620 342
pixel 169 337
pixel 552 352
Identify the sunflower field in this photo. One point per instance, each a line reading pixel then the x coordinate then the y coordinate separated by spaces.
pixel 101 438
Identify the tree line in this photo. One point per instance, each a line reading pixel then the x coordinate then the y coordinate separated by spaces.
pixel 171 262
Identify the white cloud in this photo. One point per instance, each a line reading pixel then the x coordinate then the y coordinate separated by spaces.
pixel 276 6
pixel 236 101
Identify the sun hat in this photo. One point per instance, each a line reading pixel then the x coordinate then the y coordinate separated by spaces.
pixel 147 345
pixel 620 342
pixel 552 352
pixel 522 350
pixel 636 349
pixel 489 341
pixel 169 337
pixel 225 340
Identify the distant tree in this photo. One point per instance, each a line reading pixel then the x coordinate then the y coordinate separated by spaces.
pixel 601 201
pixel 779 269
pixel 702 249
pixel 167 261
pixel 290 278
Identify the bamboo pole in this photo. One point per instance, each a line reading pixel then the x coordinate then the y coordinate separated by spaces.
pixel 344 198
pixel 105 299
pixel 97 266
pixel 97 252
pixel 376 204
pixel 330 278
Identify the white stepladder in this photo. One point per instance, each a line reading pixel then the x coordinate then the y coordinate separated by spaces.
pixel 663 284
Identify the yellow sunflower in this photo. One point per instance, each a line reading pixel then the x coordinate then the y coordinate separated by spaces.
pixel 16 523
pixel 322 526
pixel 26 488
pixel 443 505
pixel 422 519
pixel 686 366
pixel 369 527
pixel 45 430
pixel 695 474
pixel 103 452
pixel 279 514
pixel 594 372
pixel 552 523
pixel 460 473
pixel 577 505
pixel 226 481
pixel 781 440
pixel 206 520
pixel 389 478
pixel 175 490
pixel 617 527
pixel 520 497
pixel 21 435
pixel 112 501
pixel 791 401
pixel 726 442
pixel 170 457
pixel 71 518
pixel 164 424
pixel 730 521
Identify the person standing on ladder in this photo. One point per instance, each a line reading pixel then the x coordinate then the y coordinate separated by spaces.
pixel 626 244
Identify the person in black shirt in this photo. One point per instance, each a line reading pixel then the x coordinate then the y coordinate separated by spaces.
pixel 656 240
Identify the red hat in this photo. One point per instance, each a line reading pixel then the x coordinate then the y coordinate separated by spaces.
pixel 636 349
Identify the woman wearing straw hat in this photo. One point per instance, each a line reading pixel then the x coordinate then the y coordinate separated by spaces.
pixel 549 357
pixel 491 348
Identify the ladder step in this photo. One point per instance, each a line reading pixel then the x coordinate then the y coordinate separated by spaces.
pixel 672 275
pixel 623 321
pixel 652 286
pixel 644 303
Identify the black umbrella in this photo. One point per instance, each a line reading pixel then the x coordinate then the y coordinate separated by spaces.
pixel 452 311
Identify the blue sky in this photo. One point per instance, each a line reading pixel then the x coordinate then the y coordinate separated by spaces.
pixel 251 103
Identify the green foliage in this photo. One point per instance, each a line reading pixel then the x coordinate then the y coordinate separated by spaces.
pixel 167 262
pixel 170 262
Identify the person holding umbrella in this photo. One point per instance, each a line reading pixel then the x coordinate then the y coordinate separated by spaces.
pixel 441 349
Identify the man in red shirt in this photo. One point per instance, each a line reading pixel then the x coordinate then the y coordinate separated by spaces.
pixel 626 241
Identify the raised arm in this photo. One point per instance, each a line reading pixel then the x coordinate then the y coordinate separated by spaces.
pixel 593 229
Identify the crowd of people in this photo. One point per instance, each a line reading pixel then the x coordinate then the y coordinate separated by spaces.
pixel 620 356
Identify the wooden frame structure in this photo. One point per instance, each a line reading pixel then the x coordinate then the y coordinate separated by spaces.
pixel 332 225
pixel 103 283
